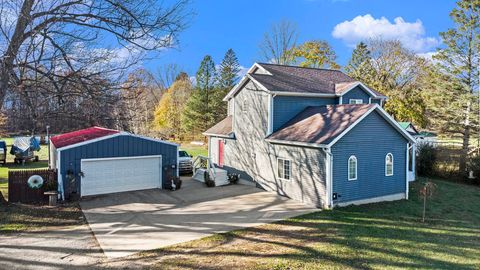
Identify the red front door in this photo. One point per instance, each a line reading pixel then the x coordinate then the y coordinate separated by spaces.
pixel 220 153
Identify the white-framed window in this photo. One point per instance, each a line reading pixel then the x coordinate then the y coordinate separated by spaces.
pixel 352 168
pixel 355 101
pixel 284 169
pixel 244 105
pixel 389 164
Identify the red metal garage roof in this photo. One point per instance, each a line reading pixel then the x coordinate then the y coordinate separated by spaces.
pixel 82 135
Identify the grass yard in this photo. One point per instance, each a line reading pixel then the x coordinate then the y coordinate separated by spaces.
pixel 195 150
pixel 386 235
pixel 20 218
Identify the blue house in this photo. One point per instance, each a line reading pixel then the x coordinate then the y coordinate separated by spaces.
pixel 314 135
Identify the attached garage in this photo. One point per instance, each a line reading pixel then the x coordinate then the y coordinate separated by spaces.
pixel 97 161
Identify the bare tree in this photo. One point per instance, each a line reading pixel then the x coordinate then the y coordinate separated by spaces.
pixel 278 43
pixel 61 38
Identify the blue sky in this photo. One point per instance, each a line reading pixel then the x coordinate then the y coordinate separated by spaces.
pixel 222 24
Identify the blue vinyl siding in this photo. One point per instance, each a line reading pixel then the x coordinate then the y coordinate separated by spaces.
pixel 120 146
pixel 369 141
pixel 286 107
pixel 356 93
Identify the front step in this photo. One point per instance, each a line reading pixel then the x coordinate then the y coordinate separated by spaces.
pixel 221 177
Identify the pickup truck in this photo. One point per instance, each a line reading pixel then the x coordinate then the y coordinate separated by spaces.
pixel 185 162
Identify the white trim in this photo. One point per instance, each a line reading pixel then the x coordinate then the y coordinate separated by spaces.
pixel 382 112
pixel 61 187
pixel 230 136
pixel 356 101
pixel 302 94
pixel 313 145
pixel 356 168
pixel 178 163
pixel 385 115
pixel 122 133
pixel 340 100
pixel 209 147
pixel 370 100
pixel 150 139
pixel 244 80
pixel 395 123
pixel 407 183
pixel 283 169
pixel 365 88
pixel 119 158
pixel 351 127
pixel 386 171
pixel 329 177
pixel 393 197
pixel 270 115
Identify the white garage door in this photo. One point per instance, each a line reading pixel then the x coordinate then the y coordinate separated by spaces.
pixel 109 175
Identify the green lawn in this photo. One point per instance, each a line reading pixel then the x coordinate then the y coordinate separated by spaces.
pixel 43 163
pixel 386 235
pixel 195 150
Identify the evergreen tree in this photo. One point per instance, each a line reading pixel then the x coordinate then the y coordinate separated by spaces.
pixel 227 77
pixel 198 115
pixel 460 58
pixel 229 69
pixel 359 62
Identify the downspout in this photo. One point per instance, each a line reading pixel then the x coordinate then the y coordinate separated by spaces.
pixel 407 182
pixel 329 176
pixel 60 187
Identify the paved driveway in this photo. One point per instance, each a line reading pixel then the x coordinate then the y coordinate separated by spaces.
pixel 126 223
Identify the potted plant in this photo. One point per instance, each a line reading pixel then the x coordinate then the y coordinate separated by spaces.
pixel 209 182
pixel 233 178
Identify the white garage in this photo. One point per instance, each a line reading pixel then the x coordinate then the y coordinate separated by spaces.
pixel 119 174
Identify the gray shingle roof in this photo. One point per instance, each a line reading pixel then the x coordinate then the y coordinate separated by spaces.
pixel 304 80
pixel 222 128
pixel 320 124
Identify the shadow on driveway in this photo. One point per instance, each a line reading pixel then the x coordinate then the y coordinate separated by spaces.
pixel 126 223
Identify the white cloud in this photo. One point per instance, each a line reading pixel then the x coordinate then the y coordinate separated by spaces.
pixel 243 70
pixel 361 28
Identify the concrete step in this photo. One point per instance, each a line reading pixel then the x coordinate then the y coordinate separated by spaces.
pixel 221 176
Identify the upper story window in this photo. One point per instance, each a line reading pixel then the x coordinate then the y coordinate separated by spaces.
pixel 284 169
pixel 352 168
pixel 244 105
pixel 355 101
pixel 389 164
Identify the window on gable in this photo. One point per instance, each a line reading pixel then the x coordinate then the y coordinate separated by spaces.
pixel 352 168
pixel 389 164
pixel 284 169
pixel 355 101
pixel 244 105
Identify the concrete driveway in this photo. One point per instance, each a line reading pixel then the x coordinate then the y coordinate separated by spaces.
pixel 126 223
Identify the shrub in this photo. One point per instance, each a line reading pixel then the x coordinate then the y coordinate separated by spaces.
pixel 426 159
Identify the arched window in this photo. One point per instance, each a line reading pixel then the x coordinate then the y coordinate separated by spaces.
pixel 352 168
pixel 389 164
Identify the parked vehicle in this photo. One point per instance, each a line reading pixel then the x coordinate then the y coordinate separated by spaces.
pixel 24 148
pixel 3 152
pixel 185 162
